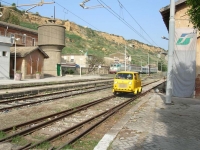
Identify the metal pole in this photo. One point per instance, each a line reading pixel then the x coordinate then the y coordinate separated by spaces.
pixel 157 66
pixel 148 64
pixel 80 67
pixel 15 60
pixel 170 52
pixel 125 57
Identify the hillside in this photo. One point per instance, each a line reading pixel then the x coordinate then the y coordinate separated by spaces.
pixel 84 38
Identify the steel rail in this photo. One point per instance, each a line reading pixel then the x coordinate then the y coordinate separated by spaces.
pixel 49 94
pixel 48 116
pixel 55 117
pixel 74 128
pixel 54 98
pixel 48 89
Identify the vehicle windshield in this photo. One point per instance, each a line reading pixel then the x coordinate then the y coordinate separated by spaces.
pixel 115 65
pixel 124 76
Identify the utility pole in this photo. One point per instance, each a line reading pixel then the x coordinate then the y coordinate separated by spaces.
pixel 148 65
pixel 170 52
pixel 125 57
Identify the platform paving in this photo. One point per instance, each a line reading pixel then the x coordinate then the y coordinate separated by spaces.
pixel 153 125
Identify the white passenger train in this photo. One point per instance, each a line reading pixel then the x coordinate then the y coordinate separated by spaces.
pixel 116 67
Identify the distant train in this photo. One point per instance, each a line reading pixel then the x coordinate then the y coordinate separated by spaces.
pixel 114 68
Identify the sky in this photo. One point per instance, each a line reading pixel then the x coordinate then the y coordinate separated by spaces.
pixel 132 19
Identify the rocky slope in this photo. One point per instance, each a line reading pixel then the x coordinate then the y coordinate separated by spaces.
pixel 9 14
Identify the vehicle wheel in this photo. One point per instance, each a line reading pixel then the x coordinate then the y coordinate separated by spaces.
pixel 135 92
pixel 115 93
pixel 141 90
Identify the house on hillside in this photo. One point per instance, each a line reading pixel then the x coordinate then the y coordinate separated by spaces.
pixel 78 59
pixel 186 65
pixel 120 57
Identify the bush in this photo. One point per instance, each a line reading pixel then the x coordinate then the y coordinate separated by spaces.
pixel 67 71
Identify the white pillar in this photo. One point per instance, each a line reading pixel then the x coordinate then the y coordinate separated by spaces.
pixel 170 52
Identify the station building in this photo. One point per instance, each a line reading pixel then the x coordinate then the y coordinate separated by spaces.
pixel 187 70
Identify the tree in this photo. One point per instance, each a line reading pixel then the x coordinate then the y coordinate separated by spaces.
pixel 194 12
pixel 93 61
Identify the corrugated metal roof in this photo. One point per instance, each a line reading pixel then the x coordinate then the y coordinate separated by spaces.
pixel 23 51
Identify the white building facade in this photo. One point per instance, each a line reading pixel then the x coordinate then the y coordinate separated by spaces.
pixel 5 44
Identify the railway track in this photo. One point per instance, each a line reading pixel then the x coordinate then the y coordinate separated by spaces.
pixel 46 88
pixel 9 104
pixel 36 99
pixel 51 83
pixel 78 130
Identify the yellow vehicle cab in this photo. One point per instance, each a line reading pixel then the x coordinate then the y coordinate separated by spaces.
pixel 127 81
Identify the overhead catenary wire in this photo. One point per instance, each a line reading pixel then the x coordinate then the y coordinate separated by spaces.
pixel 76 15
pixel 122 6
pixel 120 18
pixel 64 9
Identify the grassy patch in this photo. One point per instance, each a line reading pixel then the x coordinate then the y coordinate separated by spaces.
pixel 88 144
pixel 45 145
pixel 19 140
pixel 33 26
pixel 2 135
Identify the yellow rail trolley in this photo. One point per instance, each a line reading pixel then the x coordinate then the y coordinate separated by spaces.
pixel 127 81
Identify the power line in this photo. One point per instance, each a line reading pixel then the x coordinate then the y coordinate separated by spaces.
pixel 76 15
pixel 120 18
pixel 64 9
pixel 121 5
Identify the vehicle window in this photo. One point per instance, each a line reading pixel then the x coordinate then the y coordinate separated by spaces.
pixel 124 76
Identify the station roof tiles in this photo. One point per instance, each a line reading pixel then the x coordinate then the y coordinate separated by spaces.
pixel 23 51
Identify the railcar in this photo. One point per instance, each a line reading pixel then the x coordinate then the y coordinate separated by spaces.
pixel 127 82
pixel 114 68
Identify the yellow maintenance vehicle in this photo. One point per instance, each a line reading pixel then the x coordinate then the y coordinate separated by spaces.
pixel 127 82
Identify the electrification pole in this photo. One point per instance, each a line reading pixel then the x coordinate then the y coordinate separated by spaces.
pixel 125 57
pixel 170 52
pixel 148 65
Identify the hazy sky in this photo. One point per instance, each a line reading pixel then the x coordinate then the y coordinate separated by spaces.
pixel 133 19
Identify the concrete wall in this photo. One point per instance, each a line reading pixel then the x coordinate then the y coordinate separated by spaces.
pixel 51 39
pixel 5 58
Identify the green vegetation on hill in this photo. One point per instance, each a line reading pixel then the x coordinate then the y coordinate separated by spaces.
pixel 92 43
pixel 33 26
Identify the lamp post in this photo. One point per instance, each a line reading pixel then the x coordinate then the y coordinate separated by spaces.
pixel 170 52
pixel 125 57
pixel 15 39
pixel 148 65
pixel 80 62
pixel 80 67
pixel 163 37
